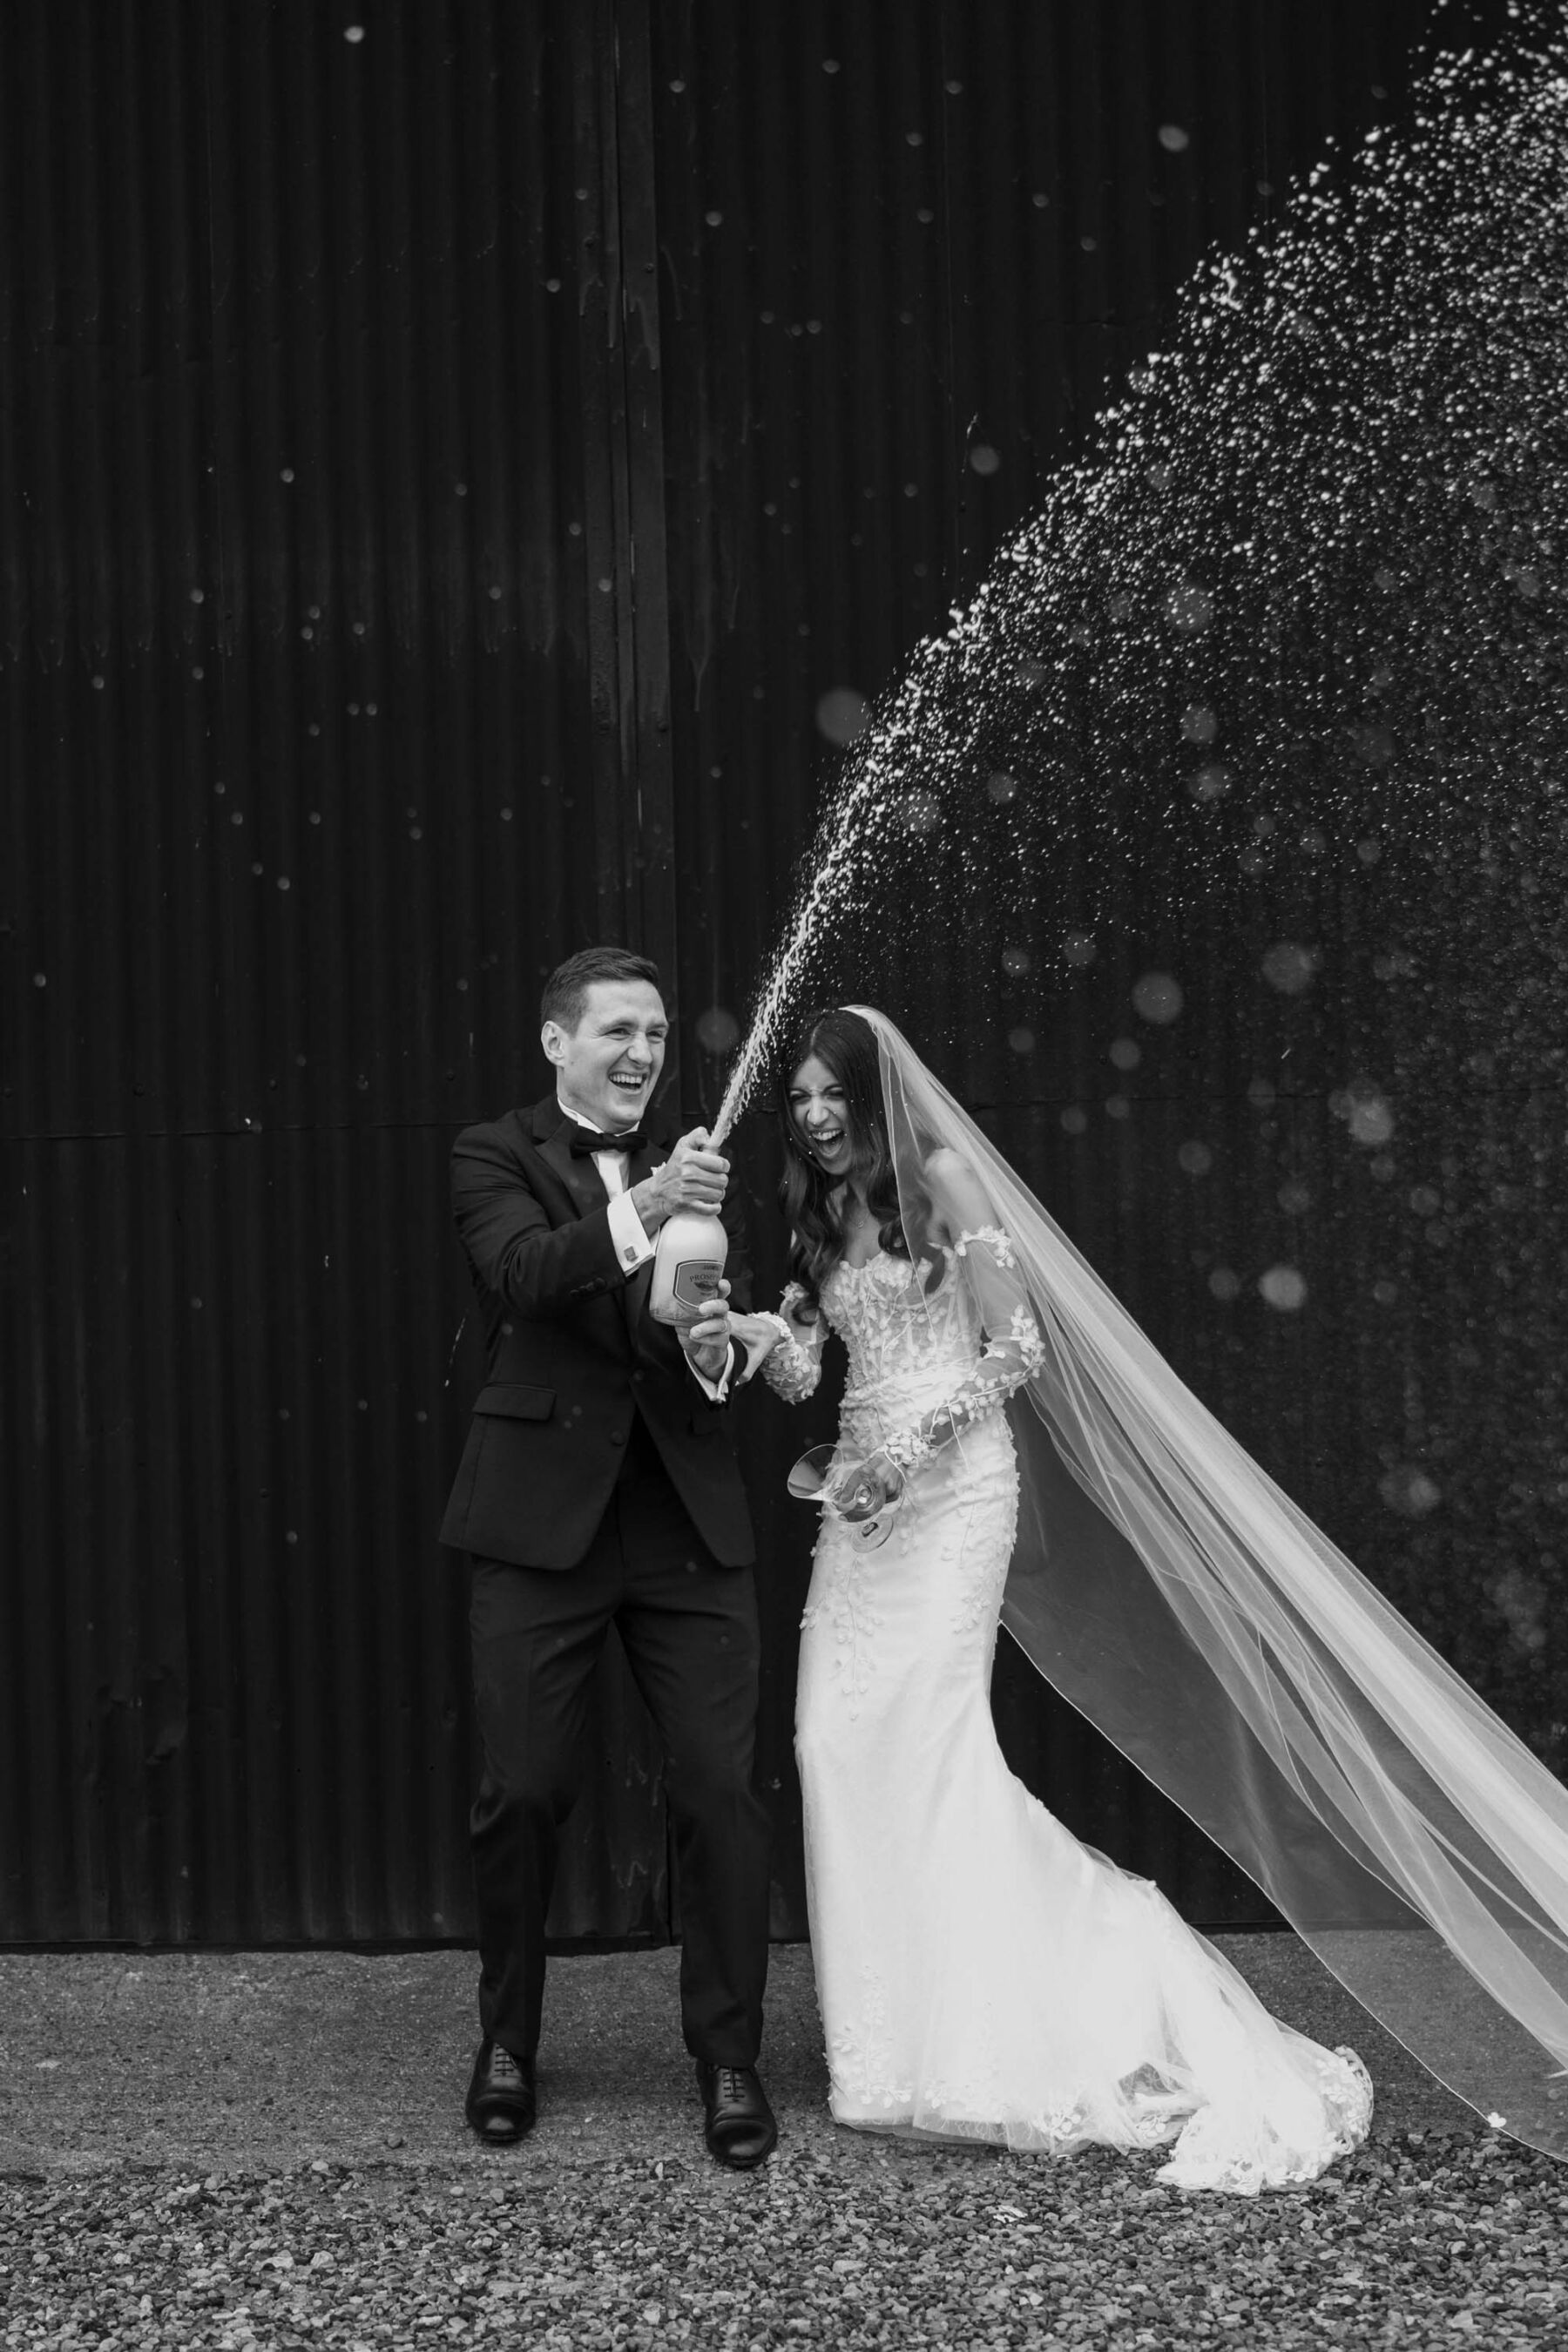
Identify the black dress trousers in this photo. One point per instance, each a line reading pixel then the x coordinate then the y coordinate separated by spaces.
pixel 689 1626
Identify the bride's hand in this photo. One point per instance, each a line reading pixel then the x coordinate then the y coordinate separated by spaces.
pixel 759 1335
pixel 866 1487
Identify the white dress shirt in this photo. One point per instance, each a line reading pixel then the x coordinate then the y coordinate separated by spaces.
pixel 629 1234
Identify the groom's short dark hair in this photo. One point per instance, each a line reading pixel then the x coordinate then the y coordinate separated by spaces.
pixel 566 996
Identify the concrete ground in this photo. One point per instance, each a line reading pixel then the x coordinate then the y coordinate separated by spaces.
pixel 258 2059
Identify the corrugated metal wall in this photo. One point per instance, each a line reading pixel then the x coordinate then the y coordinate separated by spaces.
pixel 446 451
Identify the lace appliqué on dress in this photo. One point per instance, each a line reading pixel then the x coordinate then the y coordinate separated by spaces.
pixel 1216 2152
pixel 860 2058
pixel 840 1607
pixel 977 1548
pixel 1014 1352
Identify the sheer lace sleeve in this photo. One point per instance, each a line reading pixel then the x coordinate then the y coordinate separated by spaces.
pixel 1014 1348
pixel 793 1367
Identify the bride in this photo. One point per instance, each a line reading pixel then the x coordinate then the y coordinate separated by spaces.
pixel 983 1975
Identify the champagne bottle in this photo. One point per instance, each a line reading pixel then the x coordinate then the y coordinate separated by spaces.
pixel 687 1265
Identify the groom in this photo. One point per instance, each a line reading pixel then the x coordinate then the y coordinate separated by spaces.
pixel 599 1482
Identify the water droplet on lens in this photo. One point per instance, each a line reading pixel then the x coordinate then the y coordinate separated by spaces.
pixel 718 1031
pixel 1290 968
pixel 1158 997
pixel 1370 1119
pixel 1283 1287
pixel 1411 1492
pixel 842 714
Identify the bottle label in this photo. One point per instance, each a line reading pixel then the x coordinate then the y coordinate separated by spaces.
pixel 694 1282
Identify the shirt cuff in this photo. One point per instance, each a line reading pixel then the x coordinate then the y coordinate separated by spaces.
pixel 718 1390
pixel 633 1248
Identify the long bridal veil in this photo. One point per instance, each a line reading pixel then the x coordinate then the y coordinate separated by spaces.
pixel 1178 1599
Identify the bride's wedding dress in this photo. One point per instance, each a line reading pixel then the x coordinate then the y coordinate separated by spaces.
pixel 982 1974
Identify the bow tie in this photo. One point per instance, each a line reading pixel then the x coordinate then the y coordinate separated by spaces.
pixel 584 1143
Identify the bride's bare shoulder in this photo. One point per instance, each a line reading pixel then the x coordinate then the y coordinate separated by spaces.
pixel 955 1189
pixel 945 1165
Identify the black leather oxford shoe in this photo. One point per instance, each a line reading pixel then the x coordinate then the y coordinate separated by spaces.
pixel 501 2104
pixel 738 2123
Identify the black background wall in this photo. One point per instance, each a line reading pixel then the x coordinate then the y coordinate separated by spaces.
pixel 447 451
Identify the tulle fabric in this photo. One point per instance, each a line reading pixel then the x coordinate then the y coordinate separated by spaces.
pixel 982 1975
pixel 1173 1594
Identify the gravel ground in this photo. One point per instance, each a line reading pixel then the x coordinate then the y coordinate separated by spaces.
pixel 341 2215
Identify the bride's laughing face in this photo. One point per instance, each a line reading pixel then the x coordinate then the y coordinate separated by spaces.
pixel 821 1115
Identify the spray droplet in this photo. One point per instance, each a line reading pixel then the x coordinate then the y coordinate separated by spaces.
pixel 1188 608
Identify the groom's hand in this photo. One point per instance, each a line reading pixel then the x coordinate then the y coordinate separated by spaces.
pixel 706 1338
pixel 693 1177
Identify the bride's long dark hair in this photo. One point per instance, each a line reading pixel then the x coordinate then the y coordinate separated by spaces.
pixel 846 1045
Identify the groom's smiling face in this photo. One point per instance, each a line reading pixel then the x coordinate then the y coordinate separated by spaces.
pixel 606 1068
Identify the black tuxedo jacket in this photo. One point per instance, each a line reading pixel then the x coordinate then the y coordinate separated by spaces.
pixel 574 1354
